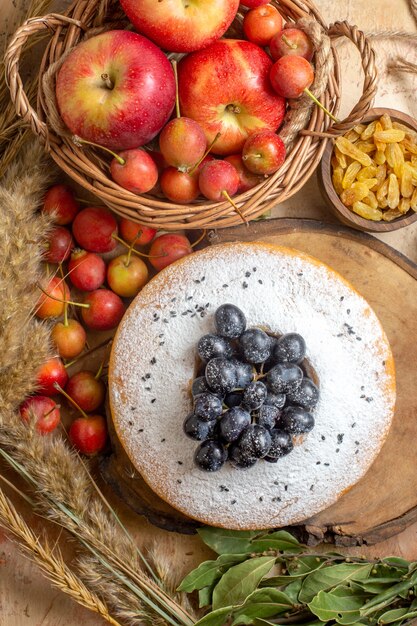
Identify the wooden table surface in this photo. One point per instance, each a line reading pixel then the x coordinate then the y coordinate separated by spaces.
pixel 26 598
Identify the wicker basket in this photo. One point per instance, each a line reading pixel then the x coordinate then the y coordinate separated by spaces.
pixel 88 167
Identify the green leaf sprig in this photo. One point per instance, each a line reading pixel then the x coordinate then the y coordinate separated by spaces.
pixel 268 578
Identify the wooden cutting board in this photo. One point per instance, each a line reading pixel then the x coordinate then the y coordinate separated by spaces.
pixel 384 502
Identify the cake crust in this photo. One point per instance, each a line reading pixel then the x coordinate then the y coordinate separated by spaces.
pixel 153 362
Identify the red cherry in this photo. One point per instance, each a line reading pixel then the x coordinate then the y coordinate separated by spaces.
pixel 42 409
pixel 60 202
pixel 290 75
pixel 168 248
pixel 139 172
pixel 291 41
pixel 179 186
pixel 49 307
pixel 218 179
pixel 251 4
pixel 88 434
pixel 93 229
pixel 130 231
pixel 264 152
pixel 126 276
pixel 105 310
pixel 86 390
pixel 247 180
pixel 69 338
pixel 182 142
pixel 87 271
pixel 51 372
pixel 261 24
pixel 60 244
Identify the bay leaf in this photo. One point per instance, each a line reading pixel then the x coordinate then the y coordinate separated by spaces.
pixel 396 615
pixel 215 618
pixel 342 605
pixel 209 572
pixel 227 541
pixel 266 602
pixel 375 585
pixel 240 581
pixel 396 561
pixel 297 570
pixel 293 590
pixel 280 540
pixel 328 577
pixel 204 596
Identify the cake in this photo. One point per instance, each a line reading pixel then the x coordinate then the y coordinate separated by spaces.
pixel 153 363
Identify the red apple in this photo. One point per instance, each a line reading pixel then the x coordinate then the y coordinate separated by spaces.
pixel 168 248
pixel 291 41
pixel 226 89
pixel 88 434
pixel 251 4
pixel 116 89
pixel 51 372
pixel 86 390
pixel 261 24
pixel 137 174
pixel 179 187
pixel 264 153
pixel 69 338
pixel 93 229
pixel 126 276
pixel 132 231
pixel 60 202
pixel 181 26
pixel 291 75
pixel 105 310
pixel 44 410
pixel 52 306
pixel 247 180
pixel 60 243
pixel 87 271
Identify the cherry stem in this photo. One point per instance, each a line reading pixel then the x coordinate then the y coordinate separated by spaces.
pixel 289 43
pixel 81 304
pixel 127 245
pixel 104 343
pixel 236 208
pixel 194 167
pixel 100 369
pixel 50 410
pixel 177 97
pixel 320 105
pixel 68 397
pixel 78 142
pixel 200 239
pixel 61 271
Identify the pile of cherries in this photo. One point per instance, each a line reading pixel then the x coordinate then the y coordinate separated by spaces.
pixel 253 397
pixel 85 290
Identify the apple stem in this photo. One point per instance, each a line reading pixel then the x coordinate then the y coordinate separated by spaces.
pixel 127 245
pixel 177 97
pixel 319 104
pixel 78 142
pixel 200 239
pixel 289 43
pixel 194 167
pixel 68 397
pixel 107 81
pixel 61 271
pixel 81 304
pixel 234 205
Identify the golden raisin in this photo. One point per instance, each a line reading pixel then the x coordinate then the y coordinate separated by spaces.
pixel 359 128
pixel 350 174
pixel 409 146
pixel 393 196
pixel 382 191
pixel 369 131
pixel 380 157
pixel 365 146
pixel 379 144
pixel 390 215
pixel 406 181
pixel 352 136
pixel 390 136
pixel 413 201
pixel 367 212
pixel 381 174
pixel 367 172
pixel 371 200
pixel 337 179
pixel 386 121
pixel 341 158
pixel 395 157
pixel 404 205
pixel 357 192
pixel 371 183
pixel 349 149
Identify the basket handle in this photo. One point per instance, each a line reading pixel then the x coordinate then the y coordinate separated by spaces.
pixel 344 29
pixel 12 66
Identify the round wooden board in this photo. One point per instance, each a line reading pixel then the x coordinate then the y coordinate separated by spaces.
pixel 384 502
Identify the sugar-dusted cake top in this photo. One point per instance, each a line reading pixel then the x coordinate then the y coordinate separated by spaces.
pixel 154 359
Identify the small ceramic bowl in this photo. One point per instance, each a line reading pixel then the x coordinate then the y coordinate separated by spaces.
pixel 344 213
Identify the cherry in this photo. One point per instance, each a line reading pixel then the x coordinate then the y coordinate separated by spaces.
pixel 86 390
pixel 253 3
pixel 60 243
pixel 168 248
pixel 69 338
pixel 126 275
pixel 247 180
pixel 291 41
pixel 102 309
pixel 179 187
pixel 51 302
pixel 264 152
pixel 182 142
pixel 218 179
pixel 93 229
pixel 44 410
pixel 61 204
pixel 134 170
pixel 88 434
pixel 134 232
pixel 86 270
pixel 50 373
pixel 261 24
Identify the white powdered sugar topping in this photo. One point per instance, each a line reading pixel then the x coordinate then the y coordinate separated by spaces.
pixel 154 361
